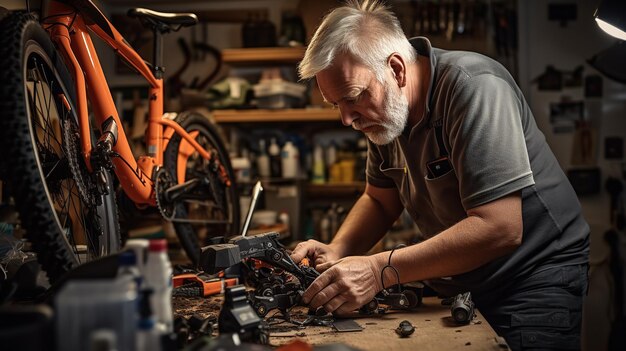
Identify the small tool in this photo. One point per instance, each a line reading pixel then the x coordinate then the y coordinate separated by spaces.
pixel 462 308
pixel 347 325
pixel 200 285
pixel 405 329
pixel 255 195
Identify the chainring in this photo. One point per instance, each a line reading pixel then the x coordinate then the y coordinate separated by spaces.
pixel 163 181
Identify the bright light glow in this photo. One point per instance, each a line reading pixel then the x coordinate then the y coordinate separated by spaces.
pixel 611 29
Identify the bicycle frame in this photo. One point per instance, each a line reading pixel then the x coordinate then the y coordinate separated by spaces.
pixel 74 42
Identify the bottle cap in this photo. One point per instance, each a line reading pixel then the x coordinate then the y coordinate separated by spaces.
pixel 127 258
pixel 158 245
pixel 140 243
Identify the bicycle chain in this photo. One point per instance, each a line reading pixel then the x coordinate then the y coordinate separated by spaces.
pixel 216 184
pixel 79 174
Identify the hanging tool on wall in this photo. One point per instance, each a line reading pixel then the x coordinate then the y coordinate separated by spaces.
pixel 174 83
pixel 204 48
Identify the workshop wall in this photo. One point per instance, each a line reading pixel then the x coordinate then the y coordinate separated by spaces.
pixel 567 46
pixel 220 33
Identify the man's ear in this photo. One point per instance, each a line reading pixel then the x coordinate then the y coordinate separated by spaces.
pixel 397 64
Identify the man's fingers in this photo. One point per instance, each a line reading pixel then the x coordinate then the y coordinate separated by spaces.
pixel 335 303
pixel 301 251
pixel 325 295
pixel 324 266
pixel 317 286
pixel 346 309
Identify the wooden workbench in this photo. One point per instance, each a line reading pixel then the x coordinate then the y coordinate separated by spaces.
pixel 434 330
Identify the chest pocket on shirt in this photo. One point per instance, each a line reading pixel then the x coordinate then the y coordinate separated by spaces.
pixel 443 189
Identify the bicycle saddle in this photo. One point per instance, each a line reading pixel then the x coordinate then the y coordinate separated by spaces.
pixel 163 20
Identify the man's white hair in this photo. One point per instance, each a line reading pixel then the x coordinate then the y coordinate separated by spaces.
pixel 366 29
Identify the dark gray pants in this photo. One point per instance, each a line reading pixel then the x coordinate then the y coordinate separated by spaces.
pixel 542 311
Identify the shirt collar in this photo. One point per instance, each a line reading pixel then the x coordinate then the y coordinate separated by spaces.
pixel 423 47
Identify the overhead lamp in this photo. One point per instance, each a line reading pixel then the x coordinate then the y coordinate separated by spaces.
pixel 610 61
pixel 611 17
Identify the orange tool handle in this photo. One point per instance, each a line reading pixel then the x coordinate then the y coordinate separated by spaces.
pixel 218 286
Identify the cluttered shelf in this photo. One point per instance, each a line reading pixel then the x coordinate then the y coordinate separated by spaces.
pixel 334 190
pixel 276 115
pixel 265 55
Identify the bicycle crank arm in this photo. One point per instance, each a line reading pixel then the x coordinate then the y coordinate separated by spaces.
pixel 174 193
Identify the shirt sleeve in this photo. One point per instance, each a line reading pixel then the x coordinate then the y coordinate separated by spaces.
pixel 486 140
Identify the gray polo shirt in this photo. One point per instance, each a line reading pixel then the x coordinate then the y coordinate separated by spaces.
pixel 494 149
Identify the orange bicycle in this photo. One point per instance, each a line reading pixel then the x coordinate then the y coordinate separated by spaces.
pixel 59 158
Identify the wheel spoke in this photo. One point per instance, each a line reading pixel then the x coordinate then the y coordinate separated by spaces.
pixel 78 211
pixel 47 129
pixel 45 166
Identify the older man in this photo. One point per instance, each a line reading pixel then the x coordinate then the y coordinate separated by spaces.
pixel 452 141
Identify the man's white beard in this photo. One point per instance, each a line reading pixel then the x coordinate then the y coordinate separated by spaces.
pixel 396 111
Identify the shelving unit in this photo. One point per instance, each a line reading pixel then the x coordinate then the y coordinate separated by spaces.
pixel 242 57
pixel 292 195
pixel 262 56
pixel 286 115
pixel 336 190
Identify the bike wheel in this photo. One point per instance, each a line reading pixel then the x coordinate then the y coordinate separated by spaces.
pixel 212 206
pixel 67 220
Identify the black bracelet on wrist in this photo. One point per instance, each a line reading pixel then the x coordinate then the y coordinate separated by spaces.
pixel 382 276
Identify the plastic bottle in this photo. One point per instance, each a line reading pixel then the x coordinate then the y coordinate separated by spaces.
pixel 331 155
pixel 263 160
pixel 325 229
pixel 127 265
pixel 290 160
pixel 140 248
pixel 148 336
pixel 332 217
pixel 241 167
pixel 319 174
pixel 103 340
pixel 85 306
pixel 159 279
pixel 275 160
pixel 283 218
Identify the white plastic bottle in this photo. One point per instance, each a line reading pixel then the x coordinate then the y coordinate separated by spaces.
pixel 159 278
pixel 263 160
pixel 290 160
pixel 283 218
pixel 241 167
pixel 275 159
pixel 148 337
pixel 325 229
pixel 127 265
pixel 84 306
pixel 331 155
pixel 319 174
pixel 140 248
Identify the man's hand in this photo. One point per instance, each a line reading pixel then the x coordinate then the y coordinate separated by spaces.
pixel 318 253
pixel 344 285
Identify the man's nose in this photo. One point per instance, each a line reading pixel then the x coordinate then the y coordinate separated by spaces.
pixel 348 115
